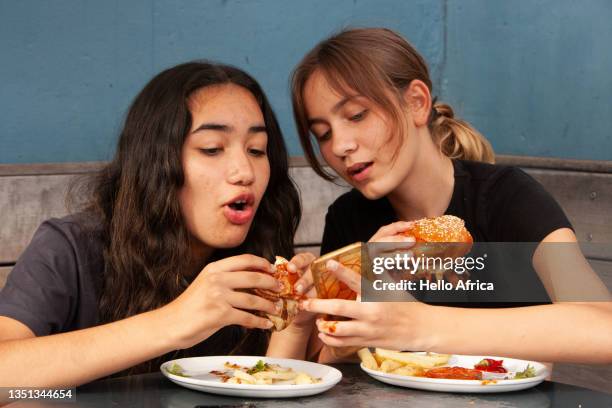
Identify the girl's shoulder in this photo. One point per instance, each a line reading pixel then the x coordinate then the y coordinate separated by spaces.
pixel 498 182
pixel 53 286
pixel 487 172
pixel 512 205
pixel 76 231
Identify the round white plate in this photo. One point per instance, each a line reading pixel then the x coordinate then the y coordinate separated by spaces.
pixel 444 385
pixel 198 369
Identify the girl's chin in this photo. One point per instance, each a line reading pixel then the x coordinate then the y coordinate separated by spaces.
pixel 233 237
pixel 371 191
pixel 225 238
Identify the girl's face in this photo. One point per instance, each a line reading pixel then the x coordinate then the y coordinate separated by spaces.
pixel 225 165
pixel 356 139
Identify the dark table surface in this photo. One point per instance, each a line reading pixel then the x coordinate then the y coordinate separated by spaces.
pixel 356 390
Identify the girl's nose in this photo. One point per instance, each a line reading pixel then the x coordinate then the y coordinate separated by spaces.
pixel 240 171
pixel 343 144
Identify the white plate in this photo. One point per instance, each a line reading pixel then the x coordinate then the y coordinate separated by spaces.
pixel 198 369
pixel 444 385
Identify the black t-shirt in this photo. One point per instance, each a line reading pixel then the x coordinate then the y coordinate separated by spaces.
pixel 55 284
pixel 497 203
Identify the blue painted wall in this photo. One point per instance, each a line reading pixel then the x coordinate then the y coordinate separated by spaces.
pixel 533 76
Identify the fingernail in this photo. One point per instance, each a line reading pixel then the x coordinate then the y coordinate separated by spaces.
pixel 291 267
pixel 279 286
pixel 269 324
pixel 304 304
pixel 272 268
pixel 332 265
pixel 409 238
pixel 278 310
pixel 299 289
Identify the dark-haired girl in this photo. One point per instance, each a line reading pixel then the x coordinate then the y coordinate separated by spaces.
pixel 365 96
pixel 193 206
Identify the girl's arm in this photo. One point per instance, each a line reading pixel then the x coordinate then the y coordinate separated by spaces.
pixel 565 272
pixel 73 358
pixel 293 342
pixel 562 332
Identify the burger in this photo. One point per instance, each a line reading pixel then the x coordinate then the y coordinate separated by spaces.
pixel 442 237
pixel 286 300
pixel 439 231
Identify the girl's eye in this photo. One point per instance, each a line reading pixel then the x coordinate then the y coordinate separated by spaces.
pixel 213 151
pixel 359 116
pixel 324 137
pixel 257 152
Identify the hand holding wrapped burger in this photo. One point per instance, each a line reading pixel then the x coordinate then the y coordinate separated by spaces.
pixel 381 324
pixel 286 300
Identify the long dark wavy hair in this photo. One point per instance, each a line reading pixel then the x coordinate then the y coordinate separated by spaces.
pixel 135 203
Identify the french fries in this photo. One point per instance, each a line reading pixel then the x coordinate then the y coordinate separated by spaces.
pixel 401 363
pixel 378 358
pixel 409 370
pixel 390 365
pixel 428 360
pixel 367 359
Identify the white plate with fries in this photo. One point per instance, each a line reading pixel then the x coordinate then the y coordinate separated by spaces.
pixel 407 369
pixel 251 376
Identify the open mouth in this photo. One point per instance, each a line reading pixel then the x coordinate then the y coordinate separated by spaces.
pixel 359 169
pixel 239 205
pixel 240 210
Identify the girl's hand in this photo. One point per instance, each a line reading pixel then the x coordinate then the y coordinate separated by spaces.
pixel 392 325
pixel 293 341
pixel 300 263
pixel 392 233
pixel 216 299
pixel 390 241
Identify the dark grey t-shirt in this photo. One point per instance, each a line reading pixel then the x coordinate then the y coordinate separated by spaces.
pixel 53 288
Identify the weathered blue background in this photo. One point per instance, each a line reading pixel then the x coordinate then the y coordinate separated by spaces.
pixel 534 77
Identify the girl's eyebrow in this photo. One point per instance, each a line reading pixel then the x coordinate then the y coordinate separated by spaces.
pixel 228 128
pixel 258 129
pixel 343 102
pixel 334 109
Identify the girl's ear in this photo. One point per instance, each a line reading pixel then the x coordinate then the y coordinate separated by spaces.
pixel 418 102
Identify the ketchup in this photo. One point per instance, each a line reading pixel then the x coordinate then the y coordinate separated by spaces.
pixel 490 365
pixel 454 373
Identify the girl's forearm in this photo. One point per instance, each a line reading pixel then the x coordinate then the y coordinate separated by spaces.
pixel 74 358
pixel 533 333
pixel 290 343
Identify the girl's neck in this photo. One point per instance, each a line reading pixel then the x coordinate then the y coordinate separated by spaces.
pixel 428 189
pixel 200 254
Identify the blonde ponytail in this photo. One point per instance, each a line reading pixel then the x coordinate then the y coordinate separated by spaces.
pixel 457 138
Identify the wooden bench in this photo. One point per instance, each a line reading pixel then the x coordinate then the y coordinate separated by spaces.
pixel 30 194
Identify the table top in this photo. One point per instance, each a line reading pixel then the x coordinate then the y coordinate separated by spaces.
pixel 356 390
